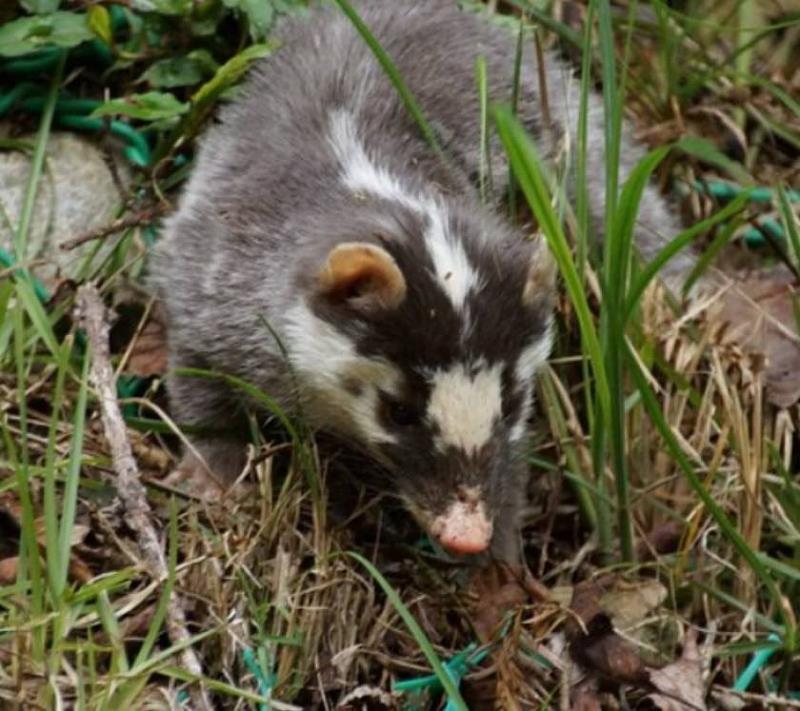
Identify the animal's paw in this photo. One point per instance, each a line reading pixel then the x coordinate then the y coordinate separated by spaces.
pixel 194 478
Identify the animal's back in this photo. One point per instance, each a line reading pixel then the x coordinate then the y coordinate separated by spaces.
pixel 270 168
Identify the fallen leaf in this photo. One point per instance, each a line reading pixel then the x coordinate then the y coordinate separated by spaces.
pixel 661 540
pixel 680 684
pixel 759 316
pixel 593 642
pixel 604 652
pixel 629 603
pixel 10 513
pixel 497 588
pixel 585 604
pixel 148 355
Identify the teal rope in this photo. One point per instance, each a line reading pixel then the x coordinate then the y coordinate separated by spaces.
pixel 727 191
pixel 7 262
pixel 753 236
pixel 70 113
pixel 759 660
pixel 456 667
pixel 265 681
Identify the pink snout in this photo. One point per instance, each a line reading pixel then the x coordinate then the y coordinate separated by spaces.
pixel 464 528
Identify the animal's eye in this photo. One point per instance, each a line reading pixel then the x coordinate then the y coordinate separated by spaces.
pixel 403 415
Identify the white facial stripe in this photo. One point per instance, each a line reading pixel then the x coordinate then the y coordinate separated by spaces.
pixel 453 270
pixel 454 273
pixel 531 359
pixel 534 356
pixel 325 358
pixel 464 408
pixel 520 428
pixel 359 173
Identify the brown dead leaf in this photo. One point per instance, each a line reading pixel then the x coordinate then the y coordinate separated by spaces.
pixel 759 317
pixel 585 604
pixel 680 684
pixel 661 540
pixel 629 603
pixel 604 652
pixel 497 589
pixel 148 355
pixel 593 642
pixel 10 513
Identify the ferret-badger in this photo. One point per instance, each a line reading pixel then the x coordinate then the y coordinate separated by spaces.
pixel 413 316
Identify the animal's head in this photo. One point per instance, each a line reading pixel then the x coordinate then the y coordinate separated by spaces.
pixel 420 343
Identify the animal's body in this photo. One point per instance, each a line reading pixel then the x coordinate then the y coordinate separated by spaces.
pixel 413 316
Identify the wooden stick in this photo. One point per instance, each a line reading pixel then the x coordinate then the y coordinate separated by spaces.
pixel 92 316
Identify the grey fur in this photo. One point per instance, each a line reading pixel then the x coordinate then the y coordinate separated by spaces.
pixel 266 203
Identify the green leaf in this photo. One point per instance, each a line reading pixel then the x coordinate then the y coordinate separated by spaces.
pixel 100 23
pixel 40 7
pixel 229 73
pixel 528 167
pixel 260 15
pixel 706 151
pixel 150 106
pixel 62 29
pixel 181 71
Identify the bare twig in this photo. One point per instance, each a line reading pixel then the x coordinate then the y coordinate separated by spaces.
pixel 143 217
pixel 92 317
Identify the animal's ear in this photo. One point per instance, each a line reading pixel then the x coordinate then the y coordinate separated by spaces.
pixel 540 286
pixel 362 275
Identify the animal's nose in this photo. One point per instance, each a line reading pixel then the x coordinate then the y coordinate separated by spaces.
pixel 464 528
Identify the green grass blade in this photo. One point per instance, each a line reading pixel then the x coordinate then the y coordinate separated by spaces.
pixel 790 223
pixel 105 611
pixel 484 171
pixel 453 694
pixel 38 316
pixel 584 239
pixel 683 240
pixel 545 19
pixel 624 221
pixel 408 99
pixel 257 395
pixel 512 185
pixel 37 162
pixel 526 163
pixel 70 499
pixel 707 152
pixel 709 254
pixel 29 560
pixel 612 111
pixel 617 267
pixel 49 494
